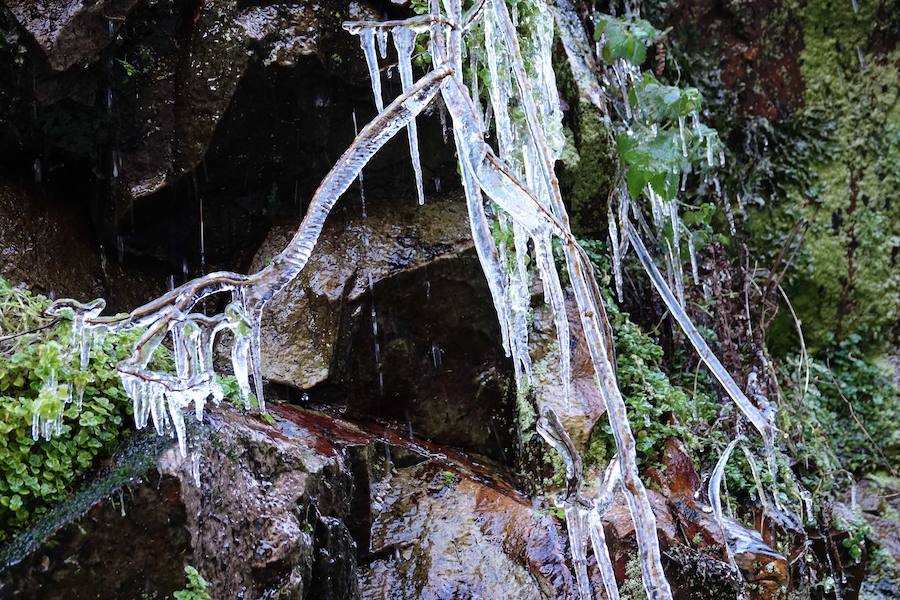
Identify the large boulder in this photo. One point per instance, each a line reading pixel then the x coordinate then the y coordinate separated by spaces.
pixel 70 32
pixel 353 257
pixel 392 319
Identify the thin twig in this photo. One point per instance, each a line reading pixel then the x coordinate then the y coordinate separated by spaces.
pixel 30 331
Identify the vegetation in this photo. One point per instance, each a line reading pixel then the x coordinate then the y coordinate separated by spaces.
pixel 195 589
pixel 35 474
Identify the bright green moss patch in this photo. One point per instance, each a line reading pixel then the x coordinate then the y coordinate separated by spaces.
pixel 851 282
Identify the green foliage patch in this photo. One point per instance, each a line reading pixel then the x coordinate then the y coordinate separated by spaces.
pixel 195 588
pixel 36 474
pixel 844 421
pixel 625 39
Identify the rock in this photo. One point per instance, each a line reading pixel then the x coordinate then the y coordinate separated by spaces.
pixel 435 363
pixel 759 563
pixel 49 246
pixel 302 324
pixel 585 406
pixel 309 507
pixel 434 528
pixel 70 31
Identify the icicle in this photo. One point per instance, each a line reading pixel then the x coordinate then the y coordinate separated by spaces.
pixel 240 357
pixel 764 428
pixel 174 401
pixel 553 295
pixel 684 151
pixel 551 429
pixel 489 258
pixel 382 36
pixel 499 88
pixel 715 499
pixel 616 255
pixel 367 40
pixel 695 274
pixel 195 467
pixel 404 41
pixel 575 525
pixel 760 490
pixel 602 502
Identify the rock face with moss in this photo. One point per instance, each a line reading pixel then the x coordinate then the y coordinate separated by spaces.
pixel 807 95
pixel 181 138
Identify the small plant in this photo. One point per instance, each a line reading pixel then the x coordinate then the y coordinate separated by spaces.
pixel 130 69
pixel 857 528
pixel 551 511
pixel 448 478
pixel 195 588
pixel 232 394
pixel 627 40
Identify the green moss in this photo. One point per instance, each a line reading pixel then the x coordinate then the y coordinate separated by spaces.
pixel 848 281
pixel 657 408
pixel 132 461
pixel 195 586
pixel 843 421
pixel 633 586
pixel 588 173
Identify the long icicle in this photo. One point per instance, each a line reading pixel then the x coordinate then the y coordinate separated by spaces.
pixel 404 41
pixel 756 417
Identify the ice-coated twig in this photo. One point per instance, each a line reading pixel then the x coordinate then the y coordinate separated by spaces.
pixel 163 396
pixel 602 502
pixel 578 51
pixel 715 499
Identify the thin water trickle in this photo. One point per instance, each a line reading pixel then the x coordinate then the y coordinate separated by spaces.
pixel 373 313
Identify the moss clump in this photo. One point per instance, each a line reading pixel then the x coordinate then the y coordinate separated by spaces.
pixel 195 588
pixel 35 474
pixel 588 171
pixel 855 221
pixel 633 586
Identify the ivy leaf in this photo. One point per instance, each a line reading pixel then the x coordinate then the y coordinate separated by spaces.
pixel 625 39
pixel 653 160
pixel 661 102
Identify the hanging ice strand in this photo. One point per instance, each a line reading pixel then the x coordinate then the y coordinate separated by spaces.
pixel 404 41
pixel 367 41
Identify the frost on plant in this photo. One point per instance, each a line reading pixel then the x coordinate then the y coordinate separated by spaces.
pixel 509 187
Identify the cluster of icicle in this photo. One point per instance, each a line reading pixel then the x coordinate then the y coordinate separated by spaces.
pixel 512 186
pixel 607 87
pixel 158 395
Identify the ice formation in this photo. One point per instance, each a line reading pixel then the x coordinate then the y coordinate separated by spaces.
pixel 510 187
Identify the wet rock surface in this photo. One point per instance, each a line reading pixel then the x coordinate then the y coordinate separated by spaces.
pixel 308 507
pixel 581 411
pixel 156 112
pixel 420 346
pixel 50 246
pixel 70 32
